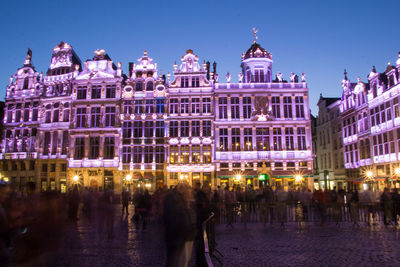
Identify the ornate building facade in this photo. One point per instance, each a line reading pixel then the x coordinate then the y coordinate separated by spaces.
pixel 92 125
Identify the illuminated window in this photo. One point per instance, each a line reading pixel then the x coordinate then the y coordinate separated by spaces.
pixel 289 138
pixel 126 154
pixel 301 138
pixel 160 154
pixel 248 139
pixel 173 158
pixel 65 143
pixel 235 139
pixel 262 139
pixel 206 154
pixel 137 154
pixel 223 139
pixel 277 134
pixel 185 154
pixel 299 106
pixel 195 154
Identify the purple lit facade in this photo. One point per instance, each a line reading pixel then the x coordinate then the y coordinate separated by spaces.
pixel 93 125
pixel 370 122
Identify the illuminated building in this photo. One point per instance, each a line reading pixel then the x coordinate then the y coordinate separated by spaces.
pixel 262 125
pixel 328 145
pixel 142 149
pixel 190 123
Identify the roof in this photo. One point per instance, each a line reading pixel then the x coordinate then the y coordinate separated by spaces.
pixel 329 100
pixel 256 50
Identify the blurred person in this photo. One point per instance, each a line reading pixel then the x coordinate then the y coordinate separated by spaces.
pixel 4 226
pixel 180 225
pixel 203 211
pixel 125 197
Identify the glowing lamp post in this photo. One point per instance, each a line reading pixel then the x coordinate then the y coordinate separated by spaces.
pixel 298 178
pixel 75 179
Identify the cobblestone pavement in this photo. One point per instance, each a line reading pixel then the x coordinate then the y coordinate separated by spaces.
pixel 83 245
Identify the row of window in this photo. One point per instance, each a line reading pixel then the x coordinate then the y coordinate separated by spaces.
pixel 187 154
pixel 243 140
pixel 193 128
pixel 146 154
pixel 144 106
pixel 383 113
pixel 30 166
pixel 97 118
pixel 95 92
pixel 197 105
pixel 94 147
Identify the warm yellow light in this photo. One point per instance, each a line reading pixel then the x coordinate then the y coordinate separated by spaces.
pixel 298 178
pixel 128 177
pixel 5 179
pixel 397 171
pixel 369 174
pixel 238 177
pixel 75 178
pixel 148 185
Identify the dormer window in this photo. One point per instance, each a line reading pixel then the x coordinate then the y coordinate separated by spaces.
pixel 81 92
pixel 96 92
pixel 110 91
pixel 184 81
pixel 248 75
pixel 391 80
pixel 259 76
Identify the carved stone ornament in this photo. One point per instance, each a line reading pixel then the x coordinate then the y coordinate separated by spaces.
pixel 261 110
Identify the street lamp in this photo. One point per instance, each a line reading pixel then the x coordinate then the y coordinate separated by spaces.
pixel 298 178
pixel 75 178
pixel 397 171
pixel 128 178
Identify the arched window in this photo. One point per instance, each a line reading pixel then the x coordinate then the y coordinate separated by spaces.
pixel 139 86
pixel 149 86
pixel 248 75
pixel 26 83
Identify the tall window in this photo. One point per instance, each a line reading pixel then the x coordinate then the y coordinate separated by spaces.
pixel 235 114
pixel 248 139
pixel 139 86
pixel 259 76
pixel 184 128
pixel 96 92
pixel 149 86
pixel 56 115
pixel 47 116
pixel 185 154
pixel 206 105
pixel 148 154
pixel 94 143
pixel 236 139
pixel 9 116
pixel 148 129
pixel 223 139
pixel 55 143
pixel 109 147
pixel 149 106
pixel 79 148
pixel 160 105
pixel 128 107
pixel 195 128
pixel 287 106
pixel 173 106
pixel 196 154
pixel 184 105
pixel 65 115
pixel 80 117
pixel 46 146
pixel 127 129
pixel 276 107
pixel 160 154
pixel 247 107
pixel 173 129
pixel 95 117
pixel 184 81
pixel 262 139
pixel 137 154
pixel 206 154
pixel 110 117
pixel 301 138
pixel 138 106
pixel 26 83
pixel 223 107
pixel 65 143
pixel 126 154
pixel 82 92
pixel 196 105
pixel 160 129
pixel 173 155
pixel 207 128
pixel 26 114
pixel 289 138
pixel 299 106
pixel 137 129
pixel 195 81
pixel 277 134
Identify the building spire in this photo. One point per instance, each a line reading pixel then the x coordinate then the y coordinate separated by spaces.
pixel 28 57
pixel 345 75
pixel 254 30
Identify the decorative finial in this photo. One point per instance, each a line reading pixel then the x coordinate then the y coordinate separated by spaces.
pixel 373 69
pixel 28 57
pixel 345 75
pixel 255 34
pixel 145 52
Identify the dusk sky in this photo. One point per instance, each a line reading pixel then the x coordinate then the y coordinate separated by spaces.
pixel 320 38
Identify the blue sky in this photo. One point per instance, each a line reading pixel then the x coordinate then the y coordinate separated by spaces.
pixel 320 38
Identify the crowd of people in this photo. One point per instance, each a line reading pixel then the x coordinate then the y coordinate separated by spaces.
pixel 37 220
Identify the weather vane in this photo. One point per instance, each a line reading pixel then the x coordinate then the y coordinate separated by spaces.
pixel 255 34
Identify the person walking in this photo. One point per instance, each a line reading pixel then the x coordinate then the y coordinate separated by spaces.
pixel 125 197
